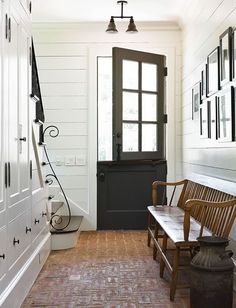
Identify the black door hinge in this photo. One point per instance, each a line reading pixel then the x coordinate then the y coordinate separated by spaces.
pixel 165 118
pixel 165 71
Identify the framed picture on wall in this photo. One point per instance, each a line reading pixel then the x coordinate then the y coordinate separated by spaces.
pixel 204 82
pixel 204 119
pixel 226 56
pixel 226 116
pixel 196 100
pixel 213 83
pixel 213 118
pixel 234 53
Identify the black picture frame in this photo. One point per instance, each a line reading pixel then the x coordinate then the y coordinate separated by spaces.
pixel 226 115
pixel 204 82
pixel 204 114
pixel 213 124
pixel 234 54
pixel 226 56
pixel 196 99
pixel 213 71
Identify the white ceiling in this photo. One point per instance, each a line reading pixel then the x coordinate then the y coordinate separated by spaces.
pixel 101 10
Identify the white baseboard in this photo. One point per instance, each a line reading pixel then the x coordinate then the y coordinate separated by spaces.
pixel 14 295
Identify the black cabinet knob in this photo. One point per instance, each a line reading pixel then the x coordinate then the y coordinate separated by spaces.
pixel 3 256
pixel 16 241
pixel 44 214
pixel 36 221
pixel 23 139
pixel 27 230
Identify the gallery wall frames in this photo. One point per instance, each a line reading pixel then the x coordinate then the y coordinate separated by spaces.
pixel 226 56
pixel 226 115
pixel 234 54
pixel 205 119
pixel 196 100
pixel 213 117
pixel 204 82
pixel 213 70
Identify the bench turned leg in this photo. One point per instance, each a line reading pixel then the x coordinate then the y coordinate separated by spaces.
pixel 174 274
pixel 156 237
pixel 164 248
pixel 149 226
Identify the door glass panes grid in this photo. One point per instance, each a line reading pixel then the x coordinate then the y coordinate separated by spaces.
pixel 139 106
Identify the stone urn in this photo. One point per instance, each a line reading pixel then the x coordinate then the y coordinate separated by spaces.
pixel 211 284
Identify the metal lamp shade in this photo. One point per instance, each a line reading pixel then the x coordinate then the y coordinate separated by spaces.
pixel 111 27
pixel 131 27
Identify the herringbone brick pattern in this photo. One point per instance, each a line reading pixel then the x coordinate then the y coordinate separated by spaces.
pixel 107 269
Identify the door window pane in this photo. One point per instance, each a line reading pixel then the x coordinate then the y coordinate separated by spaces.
pixel 130 75
pixel 104 108
pixel 130 137
pixel 149 77
pixel 149 137
pixel 149 107
pixel 130 106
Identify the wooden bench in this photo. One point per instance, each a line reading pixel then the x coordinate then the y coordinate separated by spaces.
pixel 200 210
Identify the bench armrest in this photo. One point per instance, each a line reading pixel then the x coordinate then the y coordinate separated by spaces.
pixel 218 217
pixel 158 184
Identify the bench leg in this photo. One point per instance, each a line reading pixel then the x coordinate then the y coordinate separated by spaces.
pixel 156 237
pixel 174 274
pixel 164 248
pixel 149 226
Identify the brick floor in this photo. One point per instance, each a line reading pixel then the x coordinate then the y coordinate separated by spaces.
pixel 107 269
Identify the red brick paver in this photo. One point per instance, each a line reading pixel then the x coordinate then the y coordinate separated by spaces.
pixel 107 269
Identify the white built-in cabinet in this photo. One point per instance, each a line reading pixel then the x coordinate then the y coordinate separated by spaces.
pixel 21 221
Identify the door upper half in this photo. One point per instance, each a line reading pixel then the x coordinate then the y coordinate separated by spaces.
pixel 138 105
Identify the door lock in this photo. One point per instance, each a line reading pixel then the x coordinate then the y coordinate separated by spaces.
pixel 101 176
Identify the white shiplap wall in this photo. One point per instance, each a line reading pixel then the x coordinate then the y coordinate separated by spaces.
pixel 200 36
pixel 66 57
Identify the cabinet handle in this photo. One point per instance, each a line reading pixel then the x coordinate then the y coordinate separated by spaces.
pixel 3 256
pixel 23 139
pixel 44 214
pixel 9 174
pixel 9 30
pixel 30 7
pixel 16 241
pixel 5 175
pixel 36 221
pixel 27 230
pixel 6 26
pixel 31 170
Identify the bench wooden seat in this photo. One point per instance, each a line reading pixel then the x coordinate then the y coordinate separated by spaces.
pixel 171 219
pixel 200 211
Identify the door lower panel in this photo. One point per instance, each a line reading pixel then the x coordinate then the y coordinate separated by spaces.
pixel 124 191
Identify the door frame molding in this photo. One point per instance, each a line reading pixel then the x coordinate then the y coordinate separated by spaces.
pixel 171 97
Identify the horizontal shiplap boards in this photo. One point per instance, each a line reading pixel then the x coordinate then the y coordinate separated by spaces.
pixel 66 116
pixel 206 157
pixel 69 170
pixel 64 102
pixel 69 142
pixel 74 182
pixel 54 76
pixel 63 89
pixel 69 129
pixel 60 49
pixel 59 63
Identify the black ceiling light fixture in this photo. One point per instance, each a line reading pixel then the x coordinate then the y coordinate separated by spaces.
pixel 112 26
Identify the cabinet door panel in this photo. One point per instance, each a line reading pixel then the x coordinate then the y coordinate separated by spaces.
pixel 13 94
pixel 24 113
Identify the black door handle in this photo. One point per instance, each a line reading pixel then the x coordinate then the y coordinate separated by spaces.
pixel 9 174
pixel 6 175
pixel 101 176
pixel 23 139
